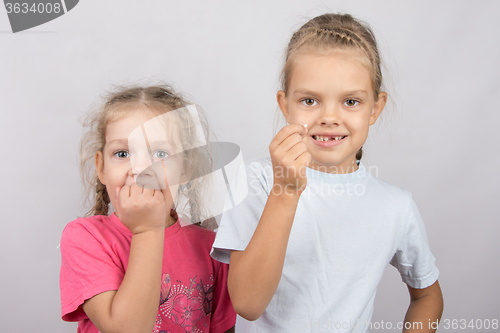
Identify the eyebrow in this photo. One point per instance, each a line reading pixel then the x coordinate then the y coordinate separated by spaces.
pixel 118 141
pixel 151 143
pixel 304 92
pixel 159 142
pixel 308 92
pixel 356 92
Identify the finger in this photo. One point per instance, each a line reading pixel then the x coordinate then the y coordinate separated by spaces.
pixel 124 193
pixel 287 131
pixel 148 190
pixel 135 190
pixel 117 195
pixel 304 159
pixel 297 151
pixel 167 196
pixel 290 142
pixel 166 192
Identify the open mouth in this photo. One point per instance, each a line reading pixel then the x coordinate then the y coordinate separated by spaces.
pixel 322 138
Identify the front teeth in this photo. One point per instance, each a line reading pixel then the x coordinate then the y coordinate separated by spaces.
pixel 327 138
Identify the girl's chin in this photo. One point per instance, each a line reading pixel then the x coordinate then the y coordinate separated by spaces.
pixel 334 166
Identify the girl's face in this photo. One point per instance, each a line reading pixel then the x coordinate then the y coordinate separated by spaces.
pixel 127 156
pixel 333 95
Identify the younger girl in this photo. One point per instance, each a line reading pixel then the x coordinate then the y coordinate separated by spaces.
pixel 137 270
pixel 310 258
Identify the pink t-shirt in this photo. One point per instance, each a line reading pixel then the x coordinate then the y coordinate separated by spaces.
pixel 194 296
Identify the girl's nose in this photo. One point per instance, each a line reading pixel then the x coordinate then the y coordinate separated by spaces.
pixel 330 116
pixel 140 162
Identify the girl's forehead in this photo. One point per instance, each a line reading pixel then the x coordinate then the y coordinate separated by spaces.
pixel 125 122
pixel 143 121
pixel 355 58
pixel 333 70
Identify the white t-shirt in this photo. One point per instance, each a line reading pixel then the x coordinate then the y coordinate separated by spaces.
pixel 347 229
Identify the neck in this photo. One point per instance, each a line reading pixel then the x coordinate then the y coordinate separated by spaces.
pixel 338 169
pixel 170 221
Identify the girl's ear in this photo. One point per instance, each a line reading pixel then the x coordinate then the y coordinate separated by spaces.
pixel 99 166
pixel 283 103
pixel 378 107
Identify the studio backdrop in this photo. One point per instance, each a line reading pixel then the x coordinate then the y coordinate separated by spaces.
pixel 437 138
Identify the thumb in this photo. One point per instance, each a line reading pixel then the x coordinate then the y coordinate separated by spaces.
pixel 304 131
pixel 117 192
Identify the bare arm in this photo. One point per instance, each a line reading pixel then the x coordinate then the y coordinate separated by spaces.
pixel 134 306
pixel 426 306
pixel 254 273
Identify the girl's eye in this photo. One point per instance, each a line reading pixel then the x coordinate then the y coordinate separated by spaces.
pixel 351 102
pixel 161 154
pixel 122 154
pixel 309 101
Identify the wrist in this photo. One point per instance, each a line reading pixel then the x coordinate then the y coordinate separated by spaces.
pixel 149 231
pixel 287 191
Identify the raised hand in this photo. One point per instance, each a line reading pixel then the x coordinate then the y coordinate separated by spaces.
pixel 290 159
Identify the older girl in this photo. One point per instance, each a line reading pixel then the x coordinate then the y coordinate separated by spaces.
pixel 309 245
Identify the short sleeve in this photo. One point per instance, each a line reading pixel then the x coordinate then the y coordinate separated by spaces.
pixel 413 257
pixel 87 269
pixel 238 224
pixel 223 314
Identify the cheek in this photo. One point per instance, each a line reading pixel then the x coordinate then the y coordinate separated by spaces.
pixel 111 194
pixel 116 175
pixel 298 116
pixel 359 121
pixel 173 192
pixel 174 168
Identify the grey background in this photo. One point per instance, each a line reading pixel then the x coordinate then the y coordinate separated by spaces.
pixel 438 137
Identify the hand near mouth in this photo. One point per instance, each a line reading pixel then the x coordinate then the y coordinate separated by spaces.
pixel 290 159
pixel 141 209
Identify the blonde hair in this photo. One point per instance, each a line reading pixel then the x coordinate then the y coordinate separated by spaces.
pixel 334 31
pixel 158 99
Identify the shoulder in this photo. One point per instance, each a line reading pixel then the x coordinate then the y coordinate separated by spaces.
pixel 199 234
pixel 91 224
pixel 201 240
pixel 392 194
pixel 199 231
pixel 394 201
pixel 96 229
